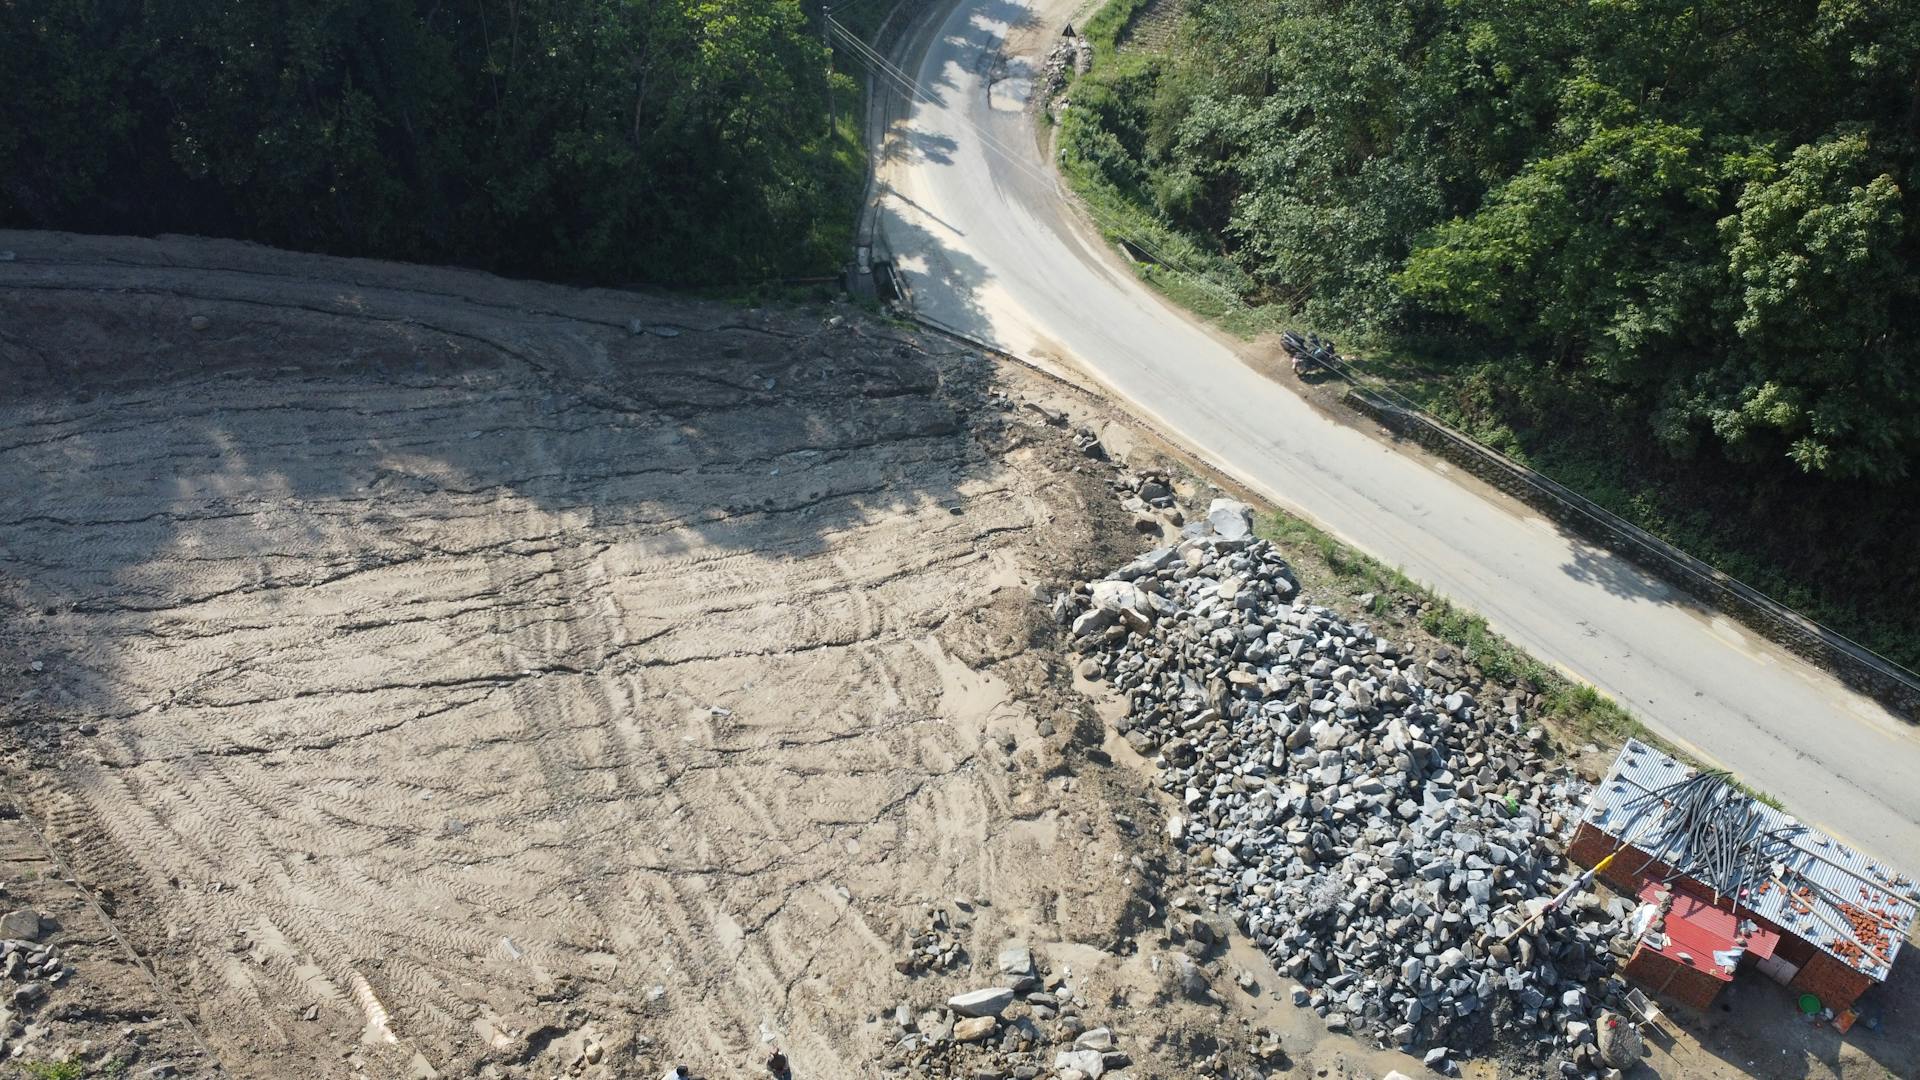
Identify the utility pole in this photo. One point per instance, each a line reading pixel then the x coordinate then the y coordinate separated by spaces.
pixel 826 39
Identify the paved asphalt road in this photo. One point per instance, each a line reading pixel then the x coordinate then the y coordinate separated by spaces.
pixel 976 222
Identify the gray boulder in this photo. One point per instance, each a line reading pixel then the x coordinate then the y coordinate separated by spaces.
pixel 1230 519
pixel 21 925
pixel 988 1002
pixel 1016 960
pixel 1088 1063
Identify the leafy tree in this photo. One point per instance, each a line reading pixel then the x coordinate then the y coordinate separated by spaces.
pixel 1824 361
pixel 1691 211
pixel 65 73
pixel 654 140
pixel 1594 250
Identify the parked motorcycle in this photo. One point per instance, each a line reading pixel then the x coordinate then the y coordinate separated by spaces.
pixel 1309 353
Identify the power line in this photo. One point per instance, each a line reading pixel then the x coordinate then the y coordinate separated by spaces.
pixel 837 8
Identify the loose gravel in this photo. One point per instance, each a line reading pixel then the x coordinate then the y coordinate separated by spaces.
pixel 1391 843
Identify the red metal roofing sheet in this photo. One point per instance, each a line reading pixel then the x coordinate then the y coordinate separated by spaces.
pixel 1697 927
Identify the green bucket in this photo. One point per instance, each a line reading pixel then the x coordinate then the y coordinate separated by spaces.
pixel 1809 1004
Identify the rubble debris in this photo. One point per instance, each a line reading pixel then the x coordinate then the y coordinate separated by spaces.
pixel 935 947
pixel 1035 1029
pixel 1374 829
pixel 1071 53
pixel 1149 495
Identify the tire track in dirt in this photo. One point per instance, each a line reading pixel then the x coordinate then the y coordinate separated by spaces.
pixel 506 667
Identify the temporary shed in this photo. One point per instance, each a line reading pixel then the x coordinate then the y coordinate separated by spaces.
pixel 1824 918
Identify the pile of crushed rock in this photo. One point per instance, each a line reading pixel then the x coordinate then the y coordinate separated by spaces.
pixel 1388 840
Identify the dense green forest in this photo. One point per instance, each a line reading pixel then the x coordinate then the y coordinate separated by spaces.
pixel 1664 249
pixel 677 141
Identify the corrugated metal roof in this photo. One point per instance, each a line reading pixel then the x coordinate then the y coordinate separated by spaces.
pixel 1856 908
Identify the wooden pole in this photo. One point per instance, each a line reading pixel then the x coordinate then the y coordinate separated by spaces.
pixel 1579 883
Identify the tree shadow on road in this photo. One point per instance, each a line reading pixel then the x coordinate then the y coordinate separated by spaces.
pixel 1619 576
pixel 908 145
pixel 946 283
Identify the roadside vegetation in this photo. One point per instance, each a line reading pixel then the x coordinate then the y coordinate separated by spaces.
pixel 1662 251
pixel 603 140
pixel 1180 263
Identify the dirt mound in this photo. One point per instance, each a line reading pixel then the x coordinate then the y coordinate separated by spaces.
pixel 447 673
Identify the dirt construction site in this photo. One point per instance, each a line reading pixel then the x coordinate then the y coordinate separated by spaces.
pixel 410 672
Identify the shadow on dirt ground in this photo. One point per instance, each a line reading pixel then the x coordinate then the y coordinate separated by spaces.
pixel 510 670
pixel 1757 1028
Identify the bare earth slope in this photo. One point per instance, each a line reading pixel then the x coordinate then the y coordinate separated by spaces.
pixel 420 643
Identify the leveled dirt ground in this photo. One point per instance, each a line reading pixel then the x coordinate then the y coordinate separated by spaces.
pixel 418 638
pixel 409 672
